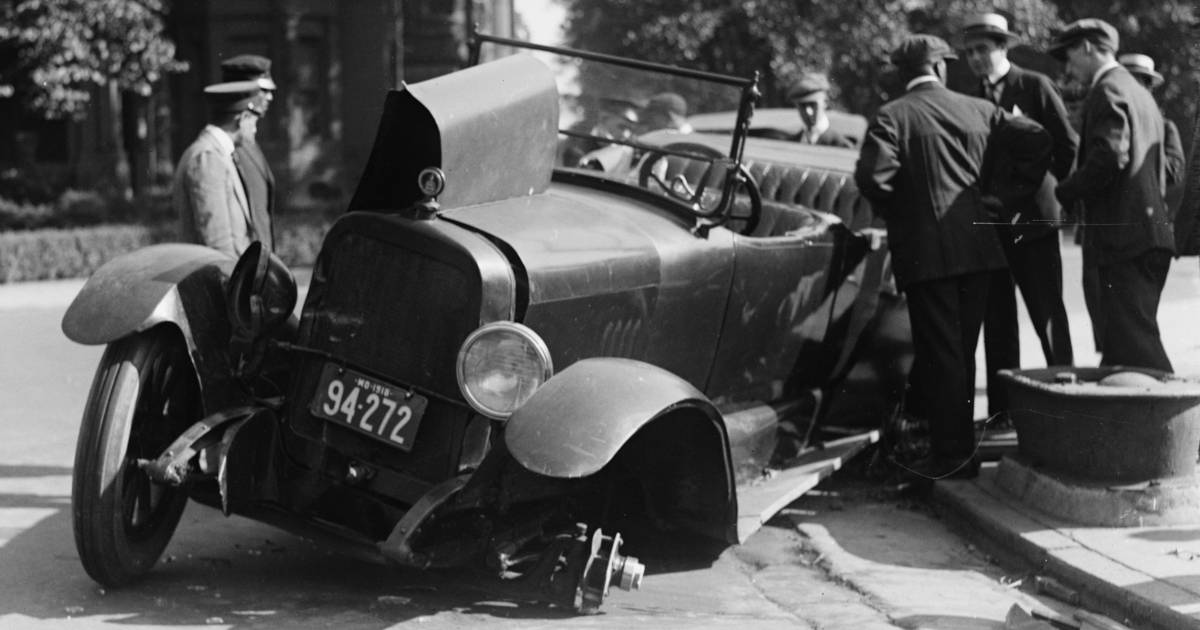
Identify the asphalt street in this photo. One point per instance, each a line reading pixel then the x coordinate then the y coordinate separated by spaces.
pixel 839 558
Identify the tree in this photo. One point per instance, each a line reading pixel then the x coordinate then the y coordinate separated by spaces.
pixel 782 38
pixel 71 51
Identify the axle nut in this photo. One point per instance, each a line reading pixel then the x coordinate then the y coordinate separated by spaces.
pixel 629 577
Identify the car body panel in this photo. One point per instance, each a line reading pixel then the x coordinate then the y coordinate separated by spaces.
pixel 779 122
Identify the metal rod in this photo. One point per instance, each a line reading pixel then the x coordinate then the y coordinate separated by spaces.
pixel 620 61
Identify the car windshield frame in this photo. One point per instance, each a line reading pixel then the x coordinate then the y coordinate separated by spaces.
pixel 747 96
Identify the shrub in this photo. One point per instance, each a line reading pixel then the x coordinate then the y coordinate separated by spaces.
pixel 47 254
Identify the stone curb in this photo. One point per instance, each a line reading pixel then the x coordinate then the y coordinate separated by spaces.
pixel 963 502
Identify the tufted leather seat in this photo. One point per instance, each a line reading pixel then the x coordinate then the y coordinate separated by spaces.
pixel 789 192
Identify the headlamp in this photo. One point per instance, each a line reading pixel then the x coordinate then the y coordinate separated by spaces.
pixel 500 366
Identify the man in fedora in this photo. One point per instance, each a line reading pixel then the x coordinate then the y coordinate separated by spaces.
pixel 206 191
pixel 1120 184
pixel 1028 228
pixel 251 163
pixel 810 96
pixel 922 166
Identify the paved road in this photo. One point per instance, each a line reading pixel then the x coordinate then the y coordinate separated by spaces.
pixel 235 573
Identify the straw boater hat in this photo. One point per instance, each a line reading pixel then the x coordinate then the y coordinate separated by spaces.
pixel 991 25
pixel 1141 65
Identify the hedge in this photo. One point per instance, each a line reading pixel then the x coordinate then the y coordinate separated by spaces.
pixel 48 254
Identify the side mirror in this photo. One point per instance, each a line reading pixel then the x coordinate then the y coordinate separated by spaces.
pixel 261 294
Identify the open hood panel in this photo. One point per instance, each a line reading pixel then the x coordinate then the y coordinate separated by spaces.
pixel 491 128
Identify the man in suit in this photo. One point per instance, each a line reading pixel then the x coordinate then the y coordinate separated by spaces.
pixel 251 163
pixel 922 166
pixel 1142 69
pixel 206 191
pixel 1029 229
pixel 810 96
pixel 1120 182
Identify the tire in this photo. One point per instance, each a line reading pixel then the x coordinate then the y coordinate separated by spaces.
pixel 143 396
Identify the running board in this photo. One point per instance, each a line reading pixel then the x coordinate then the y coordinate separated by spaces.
pixel 762 498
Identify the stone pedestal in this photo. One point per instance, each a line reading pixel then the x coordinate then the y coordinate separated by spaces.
pixel 1086 502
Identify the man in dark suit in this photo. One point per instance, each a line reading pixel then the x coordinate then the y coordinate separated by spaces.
pixel 810 95
pixel 251 163
pixel 1029 229
pixel 922 166
pixel 1120 182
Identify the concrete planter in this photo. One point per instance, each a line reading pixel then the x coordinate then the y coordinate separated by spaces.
pixel 1097 432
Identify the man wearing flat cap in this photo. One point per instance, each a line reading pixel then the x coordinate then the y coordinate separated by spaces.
pixel 666 110
pixel 251 163
pixel 1120 184
pixel 1029 227
pixel 207 192
pixel 810 96
pixel 922 166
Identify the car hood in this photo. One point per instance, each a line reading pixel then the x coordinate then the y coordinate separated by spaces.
pixel 470 124
pixel 573 242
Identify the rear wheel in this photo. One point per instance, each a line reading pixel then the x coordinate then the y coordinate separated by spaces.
pixel 143 396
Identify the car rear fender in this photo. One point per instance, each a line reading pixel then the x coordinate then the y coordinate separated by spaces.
pixel 176 284
pixel 658 425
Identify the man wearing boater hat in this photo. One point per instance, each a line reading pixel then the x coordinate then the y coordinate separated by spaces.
pixel 207 193
pixel 1119 181
pixel 1142 69
pixel 1029 227
pixel 924 166
pixel 251 163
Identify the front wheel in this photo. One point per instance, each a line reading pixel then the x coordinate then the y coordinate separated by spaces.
pixel 143 396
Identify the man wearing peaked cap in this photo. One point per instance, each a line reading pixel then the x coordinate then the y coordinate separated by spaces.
pixel 1029 227
pixel 922 167
pixel 1128 238
pixel 810 95
pixel 206 191
pixel 251 162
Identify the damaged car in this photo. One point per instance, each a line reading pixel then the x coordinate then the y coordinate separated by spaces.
pixel 500 361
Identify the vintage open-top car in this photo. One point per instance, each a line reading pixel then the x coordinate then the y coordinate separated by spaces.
pixel 498 361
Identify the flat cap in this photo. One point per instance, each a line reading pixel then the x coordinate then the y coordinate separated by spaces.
pixel 807 87
pixel 1142 65
pixel 917 50
pixel 1093 28
pixel 231 97
pixel 248 68
pixel 620 108
pixel 991 25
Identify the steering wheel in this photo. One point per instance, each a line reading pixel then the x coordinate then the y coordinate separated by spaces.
pixel 680 189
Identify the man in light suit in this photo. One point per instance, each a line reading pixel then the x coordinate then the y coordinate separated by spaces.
pixel 248 156
pixel 1120 181
pixel 207 192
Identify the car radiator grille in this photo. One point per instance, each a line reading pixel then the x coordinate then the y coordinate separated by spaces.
pixel 397 315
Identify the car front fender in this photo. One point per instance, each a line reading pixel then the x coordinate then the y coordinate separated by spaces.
pixel 150 286
pixel 578 421
pixel 175 284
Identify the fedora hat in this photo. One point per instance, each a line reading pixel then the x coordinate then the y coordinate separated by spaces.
pixel 1141 65
pixel 991 25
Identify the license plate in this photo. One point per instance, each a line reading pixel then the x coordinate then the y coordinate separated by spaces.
pixel 385 412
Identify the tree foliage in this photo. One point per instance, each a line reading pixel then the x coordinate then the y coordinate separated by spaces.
pixel 850 39
pixel 66 48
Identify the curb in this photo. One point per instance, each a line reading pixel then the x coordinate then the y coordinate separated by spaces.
pixel 964 501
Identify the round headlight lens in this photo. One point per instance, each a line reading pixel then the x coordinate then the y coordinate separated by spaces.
pixel 500 365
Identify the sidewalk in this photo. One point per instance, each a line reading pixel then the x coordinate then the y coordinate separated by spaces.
pixel 1147 577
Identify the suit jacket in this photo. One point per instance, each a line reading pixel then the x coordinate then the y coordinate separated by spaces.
pixel 208 196
pixel 1187 217
pixel 1033 94
pixel 1120 175
pixel 925 167
pixel 259 183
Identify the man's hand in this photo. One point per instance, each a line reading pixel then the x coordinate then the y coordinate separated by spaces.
pixel 993 207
